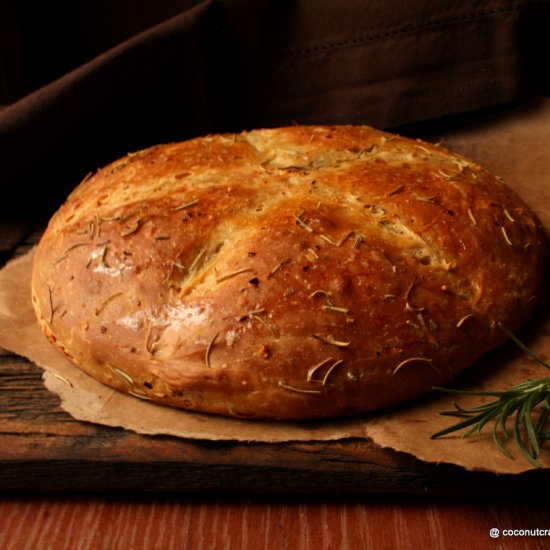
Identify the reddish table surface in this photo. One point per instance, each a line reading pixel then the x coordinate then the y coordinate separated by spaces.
pixel 278 522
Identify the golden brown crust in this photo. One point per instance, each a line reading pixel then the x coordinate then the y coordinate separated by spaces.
pixel 292 273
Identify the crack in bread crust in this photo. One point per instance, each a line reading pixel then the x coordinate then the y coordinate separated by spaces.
pixel 216 274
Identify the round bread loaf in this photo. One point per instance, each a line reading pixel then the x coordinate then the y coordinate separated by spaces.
pixel 291 273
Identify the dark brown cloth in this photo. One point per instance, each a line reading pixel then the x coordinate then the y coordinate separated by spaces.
pixel 191 67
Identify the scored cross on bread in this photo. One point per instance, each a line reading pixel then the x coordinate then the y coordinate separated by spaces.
pixel 290 273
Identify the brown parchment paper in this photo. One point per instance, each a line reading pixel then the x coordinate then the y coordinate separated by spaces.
pixel 514 146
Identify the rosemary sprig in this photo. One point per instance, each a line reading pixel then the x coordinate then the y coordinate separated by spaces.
pixel 527 404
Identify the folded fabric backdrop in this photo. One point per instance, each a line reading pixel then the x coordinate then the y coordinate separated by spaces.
pixel 229 65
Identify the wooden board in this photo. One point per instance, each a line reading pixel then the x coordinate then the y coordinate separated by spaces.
pixel 43 449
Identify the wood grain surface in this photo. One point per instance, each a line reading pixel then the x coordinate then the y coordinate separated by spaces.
pixel 207 522
pixel 43 449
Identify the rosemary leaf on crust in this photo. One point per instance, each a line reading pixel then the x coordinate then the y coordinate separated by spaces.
pixel 331 341
pixel 208 351
pixel 297 390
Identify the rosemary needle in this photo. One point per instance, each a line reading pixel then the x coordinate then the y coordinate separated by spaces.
pixel 527 405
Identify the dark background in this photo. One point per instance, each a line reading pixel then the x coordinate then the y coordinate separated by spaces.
pixel 82 83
